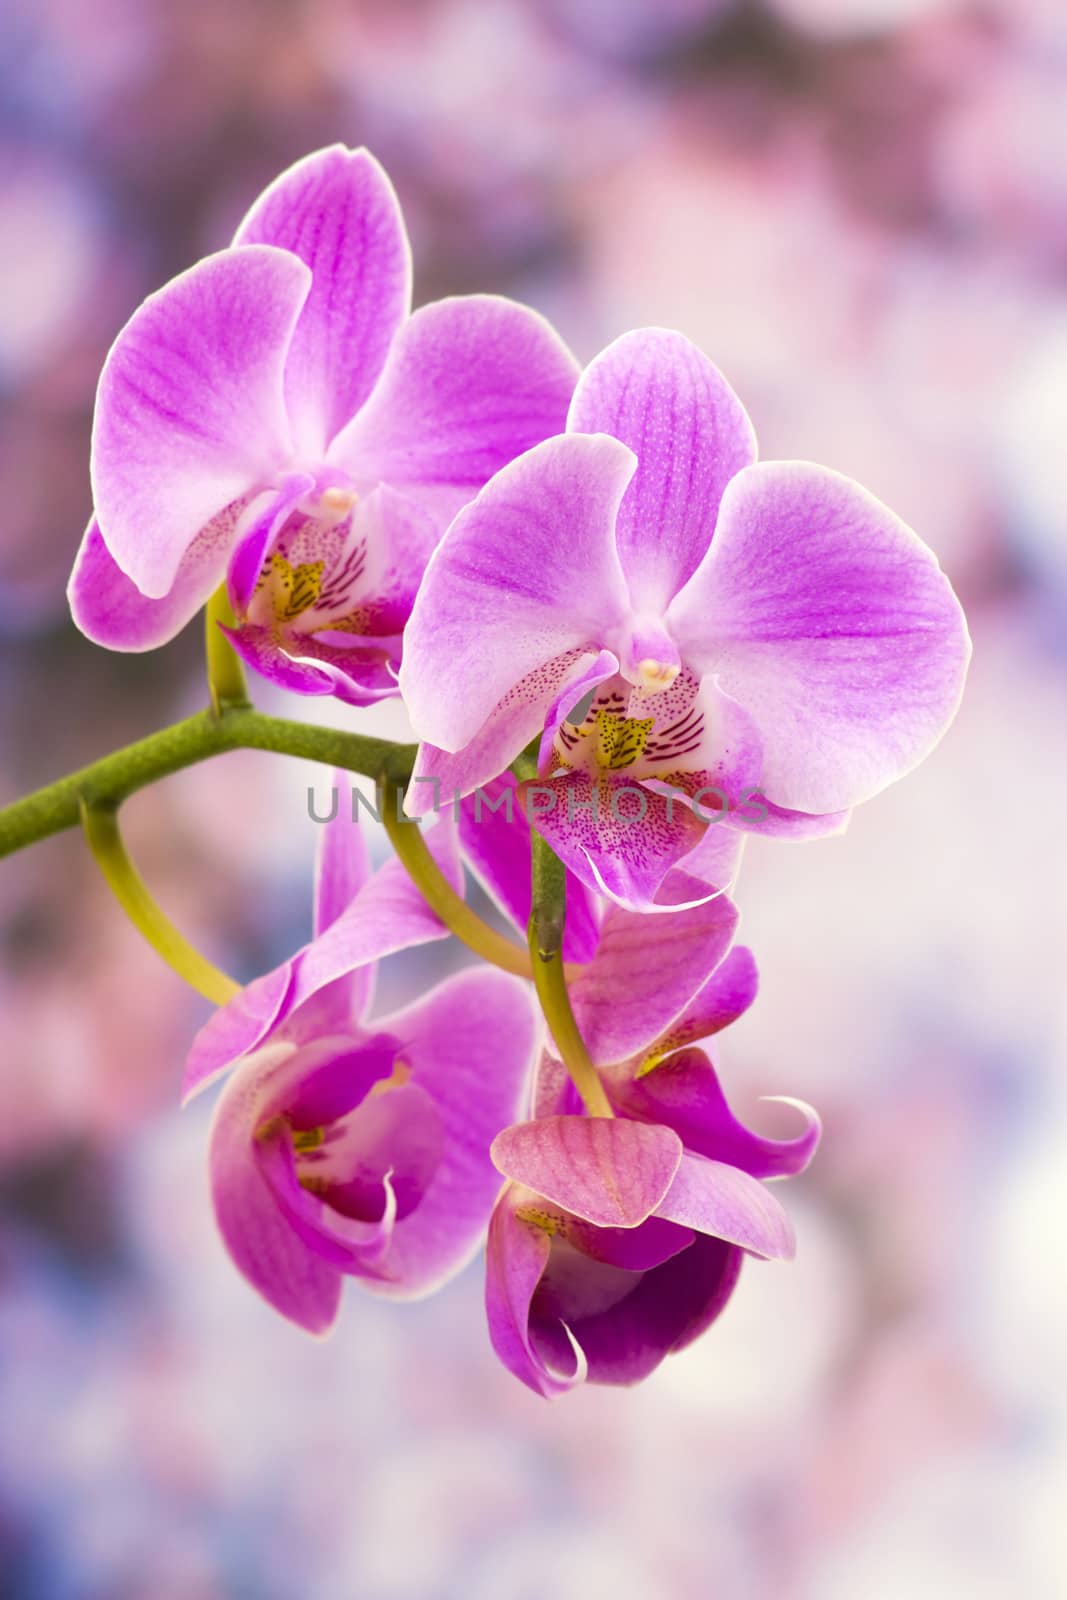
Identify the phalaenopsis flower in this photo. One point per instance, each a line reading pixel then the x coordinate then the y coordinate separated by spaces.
pixel 343 1146
pixel 765 644
pixel 275 418
pixel 618 1240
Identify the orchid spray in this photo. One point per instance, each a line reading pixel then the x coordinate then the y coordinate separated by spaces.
pixel 624 644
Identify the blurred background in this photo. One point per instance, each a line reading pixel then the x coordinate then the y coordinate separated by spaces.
pixel 859 209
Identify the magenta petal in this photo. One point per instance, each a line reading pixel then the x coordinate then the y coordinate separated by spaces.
pixel 759 815
pixel 350 1246
pixel 237 1029
pixel 441 777
pixel 636 1249
pixel 726 996
pixel 359 677
pixel 604 1169
pixel 659 394
pixel 393 1136
pixel 667 1309
pixel 338 212
pixel 833 625
pixel 516 1256
pixel 294 1279
pixel 642 978
pixel 327 1078
pixel 321 987
pixel 388 914
pixel 469 1045
pixel 617 836
pixel 712 1197
pixel 527 572
pixel 342 862
pixel 190 411
pixel 471 383
pixel 683 1092
pixel 112 611
pixel 259 529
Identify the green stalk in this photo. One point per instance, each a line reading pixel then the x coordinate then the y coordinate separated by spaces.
pixel 101 826
pixel 115 777
pixel 549 976
pixel 413 851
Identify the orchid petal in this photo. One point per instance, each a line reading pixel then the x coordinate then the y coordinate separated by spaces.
pixel 715 1198
pixel 259 529
pixel 604 1169
pixel 262 1243
pixel 664 1311
pixel 469 1045
pixel 357 677
pixel 342 862
pixel 618 837
pixel 726 996
pixel 111 610
pixel 516 1256
pixel 523 713
pixel 660 395
pixel 470 383
pixel 683 1092
pixel 527 571
pixel 832 624
pixel 190 412
pixel 338 212
pixel 644 975
pixel 388 914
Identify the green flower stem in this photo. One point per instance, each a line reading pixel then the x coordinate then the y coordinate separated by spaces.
pixel 111 780
pixel 413 851
pixel 225 674
pixel 101 826
pixel 550 978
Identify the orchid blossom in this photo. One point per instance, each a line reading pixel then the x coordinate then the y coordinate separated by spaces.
pixel 765 644
pixel 347 1147
pixel 276 420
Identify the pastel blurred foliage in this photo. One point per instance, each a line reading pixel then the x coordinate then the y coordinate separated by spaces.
pixel 859 209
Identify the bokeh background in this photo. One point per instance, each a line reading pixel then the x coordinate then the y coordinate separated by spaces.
pixel 859 209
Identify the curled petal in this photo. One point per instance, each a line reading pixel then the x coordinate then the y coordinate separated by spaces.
pixel 715 1198
pixel 604 1169
pixel 665 1310
pixel 469 1046
pixel 190 410
pixel 263 1244
pixel 516 1256
pixel 659 394
pixel 527 572
pixel 683 1092
pixel 337 211
pixel 359 677
pixel 833 625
